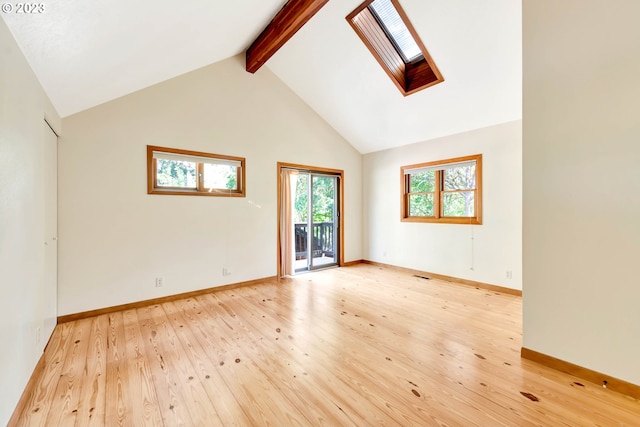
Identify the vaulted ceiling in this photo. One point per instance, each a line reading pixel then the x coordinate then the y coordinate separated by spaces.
pixel 89 52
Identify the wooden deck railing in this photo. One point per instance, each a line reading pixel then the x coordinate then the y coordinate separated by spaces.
pixel 322 239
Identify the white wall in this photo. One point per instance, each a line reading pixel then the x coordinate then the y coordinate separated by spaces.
pixel 28 300
pixel 115 239
pixel 447 248
pixel 582 183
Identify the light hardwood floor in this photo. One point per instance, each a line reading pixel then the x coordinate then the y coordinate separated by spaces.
pixel 356 346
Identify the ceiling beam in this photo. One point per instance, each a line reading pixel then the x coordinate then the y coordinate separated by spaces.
pixel 284 25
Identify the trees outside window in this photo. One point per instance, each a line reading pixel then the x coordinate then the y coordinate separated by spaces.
pixel 323 199
pixel 182 172
pixel 448 191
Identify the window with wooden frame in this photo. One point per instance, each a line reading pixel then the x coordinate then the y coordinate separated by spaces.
pixel 385 29
pixel 193 173
pixel 446 191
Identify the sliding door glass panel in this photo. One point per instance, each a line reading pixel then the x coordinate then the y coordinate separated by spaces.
pixel 323 221
pixel 301 221
pixel 315 218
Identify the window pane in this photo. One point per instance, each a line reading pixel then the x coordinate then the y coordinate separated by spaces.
pixel 460 178
pixel 422 182
pixel 460 204
pixel 323 198
pixel 220 177
pixel 174 173
pixel 301 203
pixel 396 29
pixel 421 205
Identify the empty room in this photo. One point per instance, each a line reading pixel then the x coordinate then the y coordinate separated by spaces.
pixel 314 212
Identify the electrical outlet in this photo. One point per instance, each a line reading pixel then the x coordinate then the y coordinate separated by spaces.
pixel 158 282
pixel 509 274
pixel 225 271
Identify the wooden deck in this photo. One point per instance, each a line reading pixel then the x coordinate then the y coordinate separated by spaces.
pixel 356 346
pixel 318 261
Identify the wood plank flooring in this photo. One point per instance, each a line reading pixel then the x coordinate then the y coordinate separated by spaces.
pixel 356 346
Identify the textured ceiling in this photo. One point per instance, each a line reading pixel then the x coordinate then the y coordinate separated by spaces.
pixel 89 52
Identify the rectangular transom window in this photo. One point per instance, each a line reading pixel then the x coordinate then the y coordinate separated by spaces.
pixel 183 172
pixel 447 191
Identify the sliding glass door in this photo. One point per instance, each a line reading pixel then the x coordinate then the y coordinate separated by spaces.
pixel 315 221
pixel 309 218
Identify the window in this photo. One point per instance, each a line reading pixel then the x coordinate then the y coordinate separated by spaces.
pixel 387 32
pixel 448 191
pixel 389 19
pixel 182 172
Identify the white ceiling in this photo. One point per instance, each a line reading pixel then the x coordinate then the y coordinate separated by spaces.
pixel 86 52
pixel 89 52
pixel 476 44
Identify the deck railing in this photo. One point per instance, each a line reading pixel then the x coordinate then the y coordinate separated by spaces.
pixel 322 239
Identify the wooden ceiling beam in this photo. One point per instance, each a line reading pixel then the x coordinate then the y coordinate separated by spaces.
pixel 284 25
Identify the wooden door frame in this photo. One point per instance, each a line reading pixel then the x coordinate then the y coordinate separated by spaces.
pixel 313 169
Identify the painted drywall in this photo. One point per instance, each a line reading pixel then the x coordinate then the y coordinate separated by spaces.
pixel 115 239
pixel 581 183
pixel 475 44
pixel 28 303
pixel 482 253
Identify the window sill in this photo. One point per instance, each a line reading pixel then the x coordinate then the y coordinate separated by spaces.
pixel 214 193
pixel 445 220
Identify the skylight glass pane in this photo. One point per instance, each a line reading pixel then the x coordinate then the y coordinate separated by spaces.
pixel 396 29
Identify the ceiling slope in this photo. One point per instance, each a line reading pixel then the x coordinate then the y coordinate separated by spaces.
pixel 477 45
pixel 89 52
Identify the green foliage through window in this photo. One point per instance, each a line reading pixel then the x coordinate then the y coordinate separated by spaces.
pixel 173 171
pixel 323 198
pixel 220 176
pixel 445 191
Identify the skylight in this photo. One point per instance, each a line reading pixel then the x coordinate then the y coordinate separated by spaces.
pixel 394 26
pixel 385 29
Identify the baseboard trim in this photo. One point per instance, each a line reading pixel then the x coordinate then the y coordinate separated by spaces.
pixel 586 374
pixel 466 282
pixel 169 298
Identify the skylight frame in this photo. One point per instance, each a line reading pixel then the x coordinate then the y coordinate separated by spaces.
pixel 409 77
